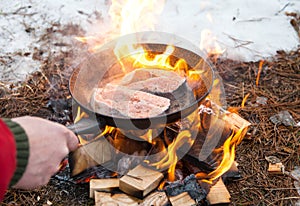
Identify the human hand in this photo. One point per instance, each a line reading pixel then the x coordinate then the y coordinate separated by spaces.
pixel 49 143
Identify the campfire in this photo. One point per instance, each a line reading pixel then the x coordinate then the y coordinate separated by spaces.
pixel 175 147
pixel 149 113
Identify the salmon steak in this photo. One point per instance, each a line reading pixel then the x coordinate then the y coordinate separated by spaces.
pixel 114 100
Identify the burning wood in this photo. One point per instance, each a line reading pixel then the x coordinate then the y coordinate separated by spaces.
pixel 119 100
pixel 153 80
pixel 103 185
pixel 218 194
pixel 182 199
pixel 140 181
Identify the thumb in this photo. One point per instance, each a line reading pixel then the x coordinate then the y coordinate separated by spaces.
pixel 72 141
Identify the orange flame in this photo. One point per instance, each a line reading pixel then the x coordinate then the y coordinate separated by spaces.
pixel 143 58
pixel 170 160
pixel 81 114
pixel 127 16
pixel 228 155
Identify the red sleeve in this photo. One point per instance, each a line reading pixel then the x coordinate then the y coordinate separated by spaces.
pixel 8 160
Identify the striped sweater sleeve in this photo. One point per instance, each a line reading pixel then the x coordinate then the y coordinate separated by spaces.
pixel 14 153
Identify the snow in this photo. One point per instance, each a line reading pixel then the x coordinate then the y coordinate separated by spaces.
pixel 248 30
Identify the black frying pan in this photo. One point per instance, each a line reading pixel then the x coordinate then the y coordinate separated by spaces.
pixel 103 66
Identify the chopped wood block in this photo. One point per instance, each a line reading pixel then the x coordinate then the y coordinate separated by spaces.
pixel 155 199
pixel 276 168
pixel 89 155
pixel 236 121
pixel 103 185
pixel 218 194
pixel 106 199
pixel 140 181
pixel 183 199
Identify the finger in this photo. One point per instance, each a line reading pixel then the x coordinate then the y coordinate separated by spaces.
pixel 72 141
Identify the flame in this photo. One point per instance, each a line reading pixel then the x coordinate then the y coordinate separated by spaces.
pixel 209 44
pixel 170 160
pixel 228 155
pixel 107 130
pixel 80 115
pixel 126 16
pixel 162 185
pixel 149 136
pixel 142 58
pixel 134 15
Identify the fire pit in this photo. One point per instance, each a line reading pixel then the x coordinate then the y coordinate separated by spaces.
pixel 193 135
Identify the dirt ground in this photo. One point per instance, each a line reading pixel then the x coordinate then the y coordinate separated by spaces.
pixel 46 94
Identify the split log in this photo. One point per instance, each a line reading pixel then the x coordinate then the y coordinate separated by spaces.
pixel 140 181
pixel 89 155
pixel 182 199
pixel 103 185
pixel 236 122
pixel 218 194
pixel 155 199
pixel 276 169
pixel 107 199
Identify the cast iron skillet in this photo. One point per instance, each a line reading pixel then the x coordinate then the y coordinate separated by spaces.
pixel 102 66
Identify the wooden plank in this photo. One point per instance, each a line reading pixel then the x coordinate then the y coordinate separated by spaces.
pixel 183 199
pixel 236 122
pixel 218 194
pixel 276 169
pixel 155 199
pixel 89 155
pixel 140 181
pixel 103 185
pixel 107 199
